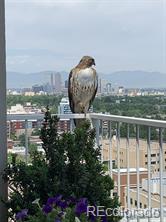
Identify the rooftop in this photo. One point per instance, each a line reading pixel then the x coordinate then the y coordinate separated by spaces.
pixel 131 170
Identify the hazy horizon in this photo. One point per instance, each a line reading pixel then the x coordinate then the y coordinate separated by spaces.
pixel 105 73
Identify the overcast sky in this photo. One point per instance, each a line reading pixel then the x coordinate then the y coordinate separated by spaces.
pixel 54 35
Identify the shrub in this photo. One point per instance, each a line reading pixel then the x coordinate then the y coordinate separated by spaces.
pixel 70 166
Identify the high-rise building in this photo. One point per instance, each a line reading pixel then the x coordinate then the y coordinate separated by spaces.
pixel 47 88
pixel 108 88
pixel 66 83
pixel 64 107
pixel 121 90
pixel 52 83
pixel 57 83
pixel 99 86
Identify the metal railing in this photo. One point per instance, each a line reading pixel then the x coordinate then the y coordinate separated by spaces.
pixel 114 127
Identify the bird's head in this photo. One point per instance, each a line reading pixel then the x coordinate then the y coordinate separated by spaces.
pixel 87 61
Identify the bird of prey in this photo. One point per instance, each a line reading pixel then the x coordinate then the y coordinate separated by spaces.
pixel 82 86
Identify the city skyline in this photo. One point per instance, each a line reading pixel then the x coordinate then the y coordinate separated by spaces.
pixel 121 35
pixel 129 79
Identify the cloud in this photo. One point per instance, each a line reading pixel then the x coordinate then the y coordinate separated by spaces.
pixel 121 34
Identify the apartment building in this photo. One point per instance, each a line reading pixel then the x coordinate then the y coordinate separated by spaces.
pixel 143 174
pixel 143 153
pixel 155 194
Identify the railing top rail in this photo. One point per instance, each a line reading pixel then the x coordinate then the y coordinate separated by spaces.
pixel 130 120
pixel 25 116
pixel 38 116
pixel 115 118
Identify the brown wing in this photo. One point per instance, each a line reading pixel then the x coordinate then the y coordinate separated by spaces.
pixel 95 91
pixel 70 92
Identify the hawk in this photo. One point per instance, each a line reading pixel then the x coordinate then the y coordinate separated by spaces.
pixel 82 86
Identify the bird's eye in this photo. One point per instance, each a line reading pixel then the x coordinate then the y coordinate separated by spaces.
pixel 93 61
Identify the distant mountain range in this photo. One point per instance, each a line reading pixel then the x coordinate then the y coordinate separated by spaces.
pixel 128 79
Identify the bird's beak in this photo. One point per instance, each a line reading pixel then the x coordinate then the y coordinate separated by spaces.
pixel 94 63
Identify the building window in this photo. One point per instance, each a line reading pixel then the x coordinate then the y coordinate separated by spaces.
pixel 136 203
pixel 145 206
pixel 146 155
pixel 153 155
pixel 140 205
pixel 131 201
pixel 153 162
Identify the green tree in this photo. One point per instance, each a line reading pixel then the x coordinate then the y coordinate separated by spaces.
pixel 22 139
pixel 36 132
pixel 13 136
pixel 32 148
pixel 39 100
